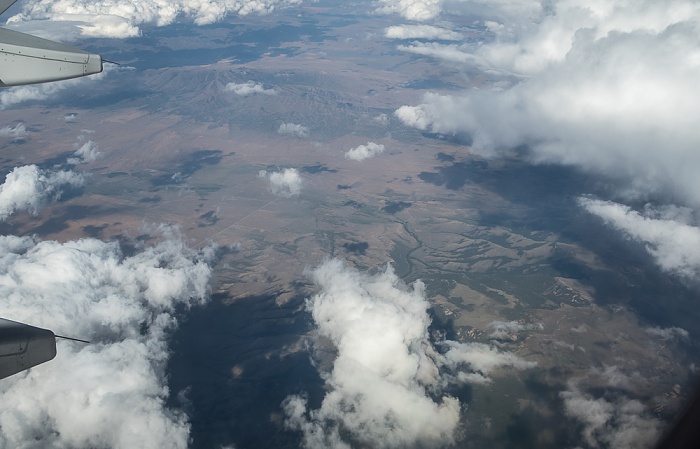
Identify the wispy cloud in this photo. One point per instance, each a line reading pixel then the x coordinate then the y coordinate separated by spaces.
pixel 509 330
pixel 618 422
pixel 19 131
pixel 421 32
pixel 673 243
pixel 668 333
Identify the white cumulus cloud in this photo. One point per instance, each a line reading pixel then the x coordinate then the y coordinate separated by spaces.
pixel 362 152
pixel 493 13
pixel 15 95
pixel 293 129
pixel 286 183
pixel 123 18
pixel 111 392
pixel 385 367
pixel 249 88
pixel 418 10
pixel 12 96
pixel 88 152
pixel 29 187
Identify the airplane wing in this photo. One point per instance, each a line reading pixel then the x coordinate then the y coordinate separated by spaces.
pixel 23 346
pixel 4 4
pixel 27 59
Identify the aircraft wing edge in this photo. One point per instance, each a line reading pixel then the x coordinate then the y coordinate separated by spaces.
pixel 27 59
pixel 23 346
pixel 4 4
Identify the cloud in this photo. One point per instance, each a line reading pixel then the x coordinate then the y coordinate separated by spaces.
pixel 474 362
pixel 384 385
pixel 112 392
pixel 29 187
pixel 86 153
pixel 383 367
pixel 13 96
pixel 286 183
pixel 249 88
pixel 17 132
pixel 620 423
pixel 382 119
pixel 362 152
pixel 493 13
pixel 293 129
pixel 673 244
pixel 605 87
pixel 668 333
pixel 418 10
pixel 449 53
pixel 122 18
pixel 421 32
pixel 508 330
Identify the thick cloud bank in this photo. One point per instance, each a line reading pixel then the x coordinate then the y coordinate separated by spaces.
pixel 606 86
pixel 121 18
pixel 362 152
pixel 112 392
pixel 386 372
pixel 671 240
pixel 29 187
pixel 286 183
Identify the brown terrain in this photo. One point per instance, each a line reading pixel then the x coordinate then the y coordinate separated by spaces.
pixel 426 205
